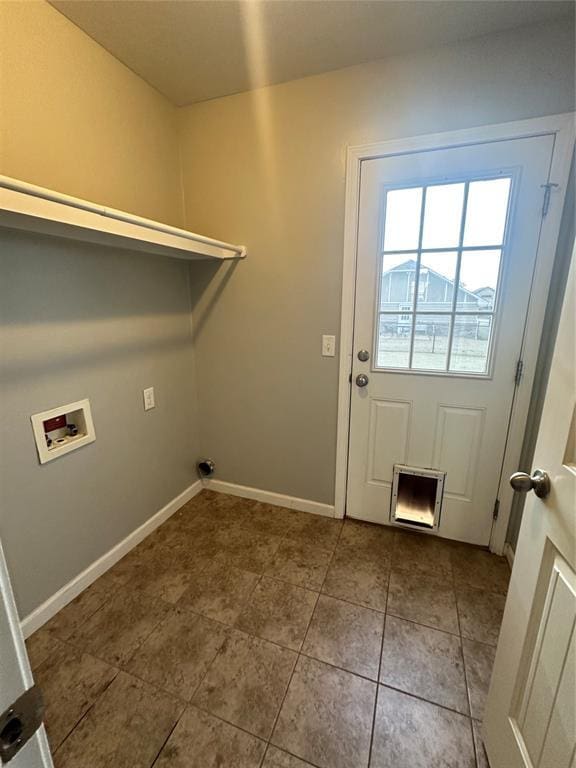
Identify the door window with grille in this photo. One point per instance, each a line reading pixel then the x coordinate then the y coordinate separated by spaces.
pixel 439 272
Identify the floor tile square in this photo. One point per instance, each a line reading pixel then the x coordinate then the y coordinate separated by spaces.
pixel 166 571
pixel 358 577
pixel 480 614
pixel 479 660
pixel 176 656
pixel 423 598
pixel 277 758
pixel 300 563
pixel 246 683
pixel 315 529
pixel 411 733
pixel 203 741
pixel 73 615
pixel 279 612
pixel 475 567
pixel 424 662
pixel 40 646
pixel 70 681
pixel 126 728
pixel 326 718
pixel 367 537
pixel 422 553
pixel 115 631
pixel 267 518
pixel 220 592
pixel 345 635
pixel 247 549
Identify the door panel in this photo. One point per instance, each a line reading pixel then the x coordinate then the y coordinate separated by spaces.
pixel 530 719
pixel 388 417
pixel 553 665
pixel 447 243
pixel 458 437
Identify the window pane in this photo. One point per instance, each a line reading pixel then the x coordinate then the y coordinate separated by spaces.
pixel 486 212
pixel 436 283
pixel 478 280
pixel 431 342
pixel 443 216
pixel 470 343
pixel 402 223
pixel 397 282
pixel 394 333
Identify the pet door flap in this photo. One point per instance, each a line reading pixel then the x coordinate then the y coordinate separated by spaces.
pixel 417 497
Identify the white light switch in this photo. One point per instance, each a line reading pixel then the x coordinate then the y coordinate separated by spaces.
pixel 149 401
pixel 328 346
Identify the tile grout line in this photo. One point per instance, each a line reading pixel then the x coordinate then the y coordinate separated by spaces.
pixel 167 739
pixel 375 711
pixel 90 708
pixel 299 654
pixel 468 698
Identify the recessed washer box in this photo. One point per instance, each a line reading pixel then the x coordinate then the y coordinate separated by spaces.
pixel 63 429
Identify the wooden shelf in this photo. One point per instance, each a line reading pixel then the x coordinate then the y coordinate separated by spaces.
pixel 27 207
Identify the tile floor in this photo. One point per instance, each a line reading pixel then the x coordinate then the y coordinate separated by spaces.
pixel 241 635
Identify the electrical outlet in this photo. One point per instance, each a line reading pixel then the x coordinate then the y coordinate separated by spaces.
pixel 328 346
pixel 149 401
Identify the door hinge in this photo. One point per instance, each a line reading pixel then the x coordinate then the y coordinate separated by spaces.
pixel 546 202
pixel 496 509
pixel 519 371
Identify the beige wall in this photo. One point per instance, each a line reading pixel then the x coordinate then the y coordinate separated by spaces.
pixel 73 119
pixel 267 169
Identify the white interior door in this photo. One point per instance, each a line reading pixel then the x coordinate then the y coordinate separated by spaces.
pixel 530 719
pixel 15 681
pixel 442 361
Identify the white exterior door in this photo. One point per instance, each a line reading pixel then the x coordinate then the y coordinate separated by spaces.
pixel 447 244
pixel 15 680
pixel 530 719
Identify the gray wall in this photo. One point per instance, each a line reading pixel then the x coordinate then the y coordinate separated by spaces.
pixel 267 168
pixel 86 321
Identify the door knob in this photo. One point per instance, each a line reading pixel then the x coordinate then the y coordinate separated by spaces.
pixel 539 482
pixel 362 380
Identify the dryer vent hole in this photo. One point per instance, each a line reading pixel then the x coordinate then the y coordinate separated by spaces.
pixel 206 467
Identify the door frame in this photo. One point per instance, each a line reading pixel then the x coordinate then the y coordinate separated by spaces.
pixel 564 129
pixel 11 634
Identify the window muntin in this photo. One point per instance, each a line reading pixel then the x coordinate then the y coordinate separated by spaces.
pixel 436 238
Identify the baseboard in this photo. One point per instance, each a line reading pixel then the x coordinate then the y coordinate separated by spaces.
pixel 69 591
pixel 508 553
pixel 269 497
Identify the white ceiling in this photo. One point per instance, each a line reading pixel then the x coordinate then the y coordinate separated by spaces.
pixel 193 50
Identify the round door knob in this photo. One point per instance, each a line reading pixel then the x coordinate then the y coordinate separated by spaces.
pixel 539 482
pixel 363 355
pixel 362 380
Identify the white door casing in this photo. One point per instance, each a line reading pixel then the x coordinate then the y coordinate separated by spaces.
pixel 530 719
pixel 559 131
pixel 15 674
